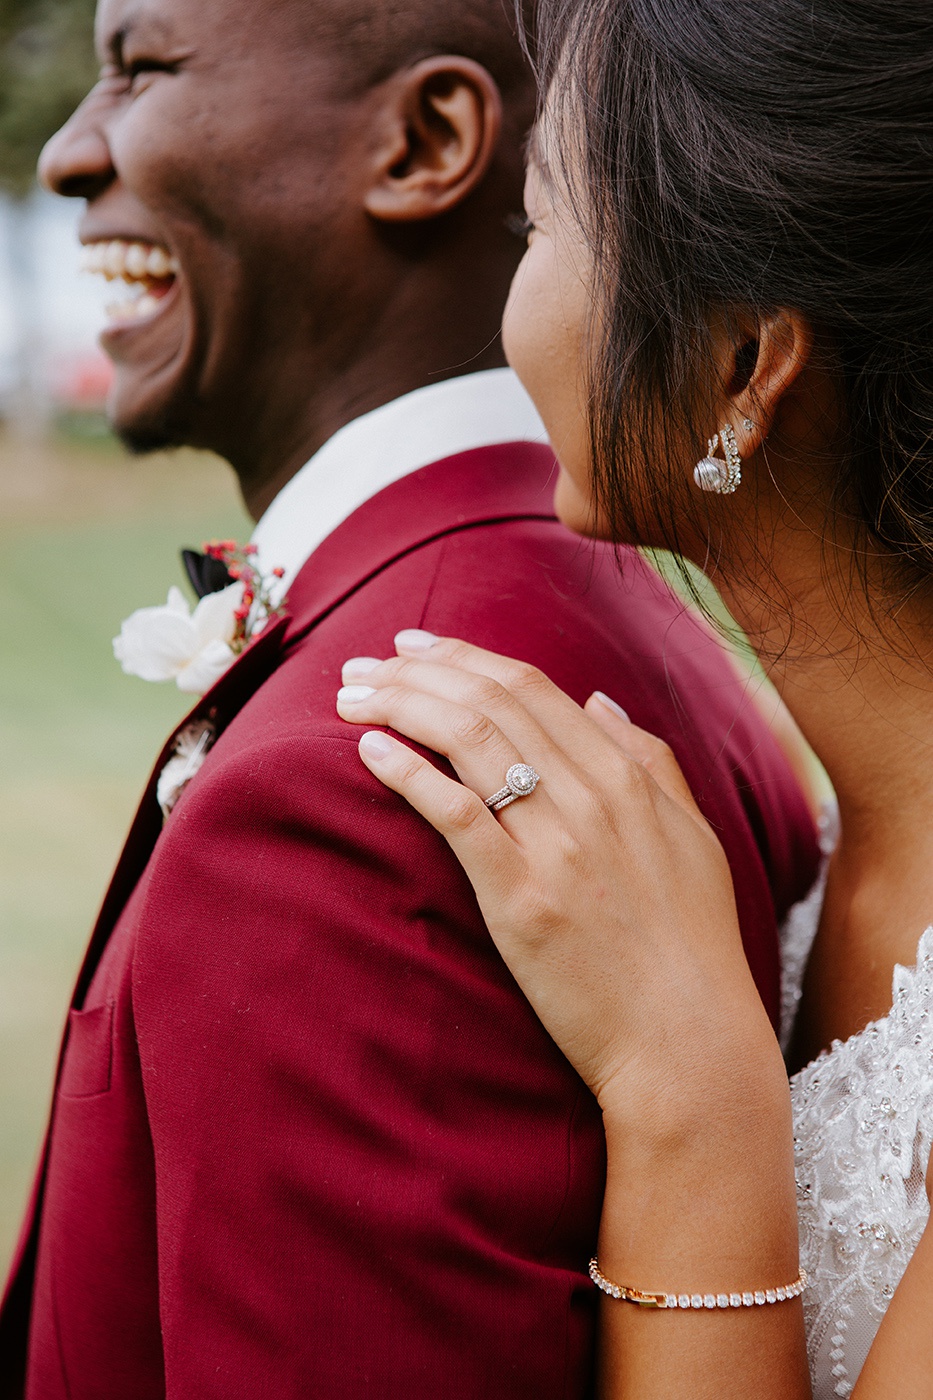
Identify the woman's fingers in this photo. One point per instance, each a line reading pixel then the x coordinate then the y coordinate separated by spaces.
pixel 468 717
pixel 526 683
pixel 493 861
pixel 532 693
pixel 514 693
pixel 473 742
pixel 478 749
pixel 469 675
pixel 644 748
pixel 543 724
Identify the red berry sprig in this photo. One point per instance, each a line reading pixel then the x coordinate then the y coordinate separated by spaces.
pixel 257 605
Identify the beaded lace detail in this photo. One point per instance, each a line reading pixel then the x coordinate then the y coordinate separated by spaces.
pixel 863 1124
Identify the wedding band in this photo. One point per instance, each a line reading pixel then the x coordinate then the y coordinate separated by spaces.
pixel 520 781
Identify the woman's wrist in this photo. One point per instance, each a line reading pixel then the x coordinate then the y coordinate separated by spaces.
pixel 700 1189
pixel 663 1099
pixel 748 1121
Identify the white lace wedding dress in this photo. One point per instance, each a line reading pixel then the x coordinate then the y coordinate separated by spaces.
pixel 863 1123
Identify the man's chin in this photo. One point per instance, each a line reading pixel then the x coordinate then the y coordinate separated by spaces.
pixel 150 431
pixel 151 438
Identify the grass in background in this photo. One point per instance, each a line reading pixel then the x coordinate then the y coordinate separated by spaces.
pixel 86 536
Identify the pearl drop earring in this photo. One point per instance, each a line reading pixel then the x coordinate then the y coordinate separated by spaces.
pixel 714 474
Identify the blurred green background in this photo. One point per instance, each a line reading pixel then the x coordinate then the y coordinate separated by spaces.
pixel 86 535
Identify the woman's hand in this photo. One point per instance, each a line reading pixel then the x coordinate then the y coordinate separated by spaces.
pixel 605 890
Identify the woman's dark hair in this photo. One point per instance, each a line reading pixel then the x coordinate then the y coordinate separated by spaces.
pixel 756 154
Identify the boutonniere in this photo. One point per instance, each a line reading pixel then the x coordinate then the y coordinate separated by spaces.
pixel 195 648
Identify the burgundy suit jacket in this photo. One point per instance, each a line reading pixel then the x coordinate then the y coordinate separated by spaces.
pixel 308 1139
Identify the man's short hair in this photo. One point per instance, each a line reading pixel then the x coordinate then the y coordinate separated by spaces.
pixel 379 37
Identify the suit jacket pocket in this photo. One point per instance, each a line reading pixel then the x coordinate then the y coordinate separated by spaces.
pixel 89 1053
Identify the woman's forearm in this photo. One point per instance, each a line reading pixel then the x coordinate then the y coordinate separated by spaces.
pixel 700 1199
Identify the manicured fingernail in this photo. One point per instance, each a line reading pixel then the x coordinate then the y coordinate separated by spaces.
pixel 375 745
pixel 353 694
pixel 611 705
pixel 360 666
pixel 413 639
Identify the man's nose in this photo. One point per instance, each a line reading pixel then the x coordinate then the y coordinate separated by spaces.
pixel 76 161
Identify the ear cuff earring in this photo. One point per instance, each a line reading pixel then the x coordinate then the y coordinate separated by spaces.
pixel 716 474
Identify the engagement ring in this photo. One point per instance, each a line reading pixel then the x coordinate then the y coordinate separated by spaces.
pixel 520 781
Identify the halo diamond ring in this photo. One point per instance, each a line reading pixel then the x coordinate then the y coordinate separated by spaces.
pixel 520 781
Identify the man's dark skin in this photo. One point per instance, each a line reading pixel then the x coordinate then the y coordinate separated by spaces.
pixel 334 188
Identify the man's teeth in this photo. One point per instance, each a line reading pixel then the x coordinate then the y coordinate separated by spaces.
pixel 145 267
pixel 134 262
pixel 133 308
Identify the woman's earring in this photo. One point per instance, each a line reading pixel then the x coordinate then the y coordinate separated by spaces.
pixel 714 474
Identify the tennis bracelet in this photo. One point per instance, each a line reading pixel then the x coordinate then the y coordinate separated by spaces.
pixel 758 1299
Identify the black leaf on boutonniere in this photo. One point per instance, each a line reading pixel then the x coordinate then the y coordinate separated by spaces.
pixel 206 573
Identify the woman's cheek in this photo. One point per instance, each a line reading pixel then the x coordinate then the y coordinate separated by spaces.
pixel 542 334
pixel 520 321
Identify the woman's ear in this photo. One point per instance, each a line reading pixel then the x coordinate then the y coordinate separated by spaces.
pixel 760 362
pixel 442 119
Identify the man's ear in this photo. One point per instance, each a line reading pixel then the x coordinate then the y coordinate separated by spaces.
pixel 441 124
pixel 759 364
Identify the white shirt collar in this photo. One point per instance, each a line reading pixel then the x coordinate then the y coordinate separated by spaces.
pixel 381 447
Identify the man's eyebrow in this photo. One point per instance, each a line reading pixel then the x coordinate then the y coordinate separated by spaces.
pixel 115 43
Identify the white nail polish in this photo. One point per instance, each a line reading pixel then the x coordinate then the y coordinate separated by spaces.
pixel 612 705
pixel 414 639
pixel 376 745
pixel 353 694
pixel 360 666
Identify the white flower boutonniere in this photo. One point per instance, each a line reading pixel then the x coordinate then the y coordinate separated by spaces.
pixel 195 648
pixel 174 643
